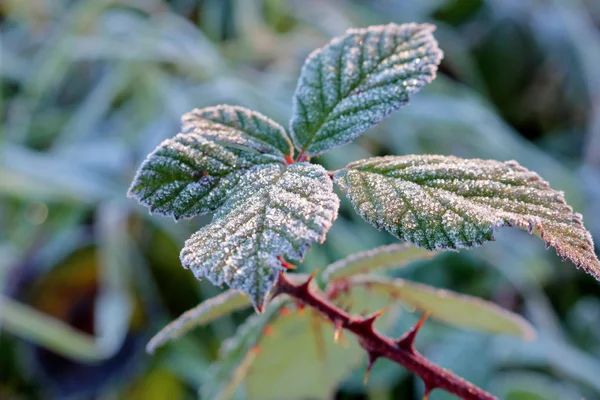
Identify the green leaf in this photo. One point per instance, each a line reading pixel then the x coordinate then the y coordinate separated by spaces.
pixel 237 126
pixel 391 256
pixel 196 171
pixel 440 202
pixel 445 305
pixel 35 326
pixel 299 359
pixel 275 211
pixel 236 355
pixel 358 79
pixel 203 313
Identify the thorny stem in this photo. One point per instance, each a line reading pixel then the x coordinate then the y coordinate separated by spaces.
pixel 401 350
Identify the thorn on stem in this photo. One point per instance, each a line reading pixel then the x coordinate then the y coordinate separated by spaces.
pixel 367 322
pixel 407 341
pixel 372 358
pixel 428 388
pixel 304 287
pixel 286 264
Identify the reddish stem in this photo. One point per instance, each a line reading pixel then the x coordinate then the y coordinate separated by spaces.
pixel 400 351
pixel 301 157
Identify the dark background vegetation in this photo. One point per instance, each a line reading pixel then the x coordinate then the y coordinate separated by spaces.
pixel 89 87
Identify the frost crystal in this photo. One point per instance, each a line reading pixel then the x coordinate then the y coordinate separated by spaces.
pixel 275 211
pixel 358 79
pixel 439 202
pixel 194 172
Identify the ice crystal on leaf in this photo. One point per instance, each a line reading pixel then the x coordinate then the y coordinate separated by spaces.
pixel 357 80
pixel 440 202
pixel 276 211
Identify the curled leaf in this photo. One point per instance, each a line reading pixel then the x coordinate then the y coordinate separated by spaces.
pixel 445 202
pixel 203 313
pixel 358 79
pixel 394 255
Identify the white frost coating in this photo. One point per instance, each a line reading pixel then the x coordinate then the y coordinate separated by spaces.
pixel 274 211
pixel 358 79
pixel 440 202
pixel 241 127
pixel 194 172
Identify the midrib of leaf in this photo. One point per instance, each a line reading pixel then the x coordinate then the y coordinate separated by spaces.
pixel 326 114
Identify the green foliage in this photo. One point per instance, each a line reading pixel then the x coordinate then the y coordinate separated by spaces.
pixel 453 308
pixel 440 202
pixel 269 207
pixel 358 79
pixel 391 256
pixel 91 87
pixel 203 313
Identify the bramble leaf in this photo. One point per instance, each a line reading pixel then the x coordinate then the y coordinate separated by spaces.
pixel 239 127
pixel 444 305
pixel 358 79
pixel 236 354
pixel 394 255
pixel 440 202
pixel 195 172
pixel 203 313
pixel 275 211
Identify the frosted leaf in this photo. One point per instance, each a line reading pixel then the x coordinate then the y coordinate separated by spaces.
pixel 358 79
pixel 275 211
pixel 238 126
pixel 194 172
pixel 203 313
pixel 391 256
pixel 439 202
pixel 444 305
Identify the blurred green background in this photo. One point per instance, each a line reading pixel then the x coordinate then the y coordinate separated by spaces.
pixel 89 87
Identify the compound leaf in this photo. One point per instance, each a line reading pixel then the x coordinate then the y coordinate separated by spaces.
pixel 358 79
pixel 276 211
pixel 440 202
pixel 394 255
pixel 203 313
pixel 453 308
pixel 194 172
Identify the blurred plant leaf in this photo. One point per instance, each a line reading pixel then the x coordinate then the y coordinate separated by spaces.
pixel 275 211
pixel 313 355
pixel 448 202
pixel 32 325
pixel 391 256
pixel 445 305
pixel 233 360
pixel 205 312
pixel 358 79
